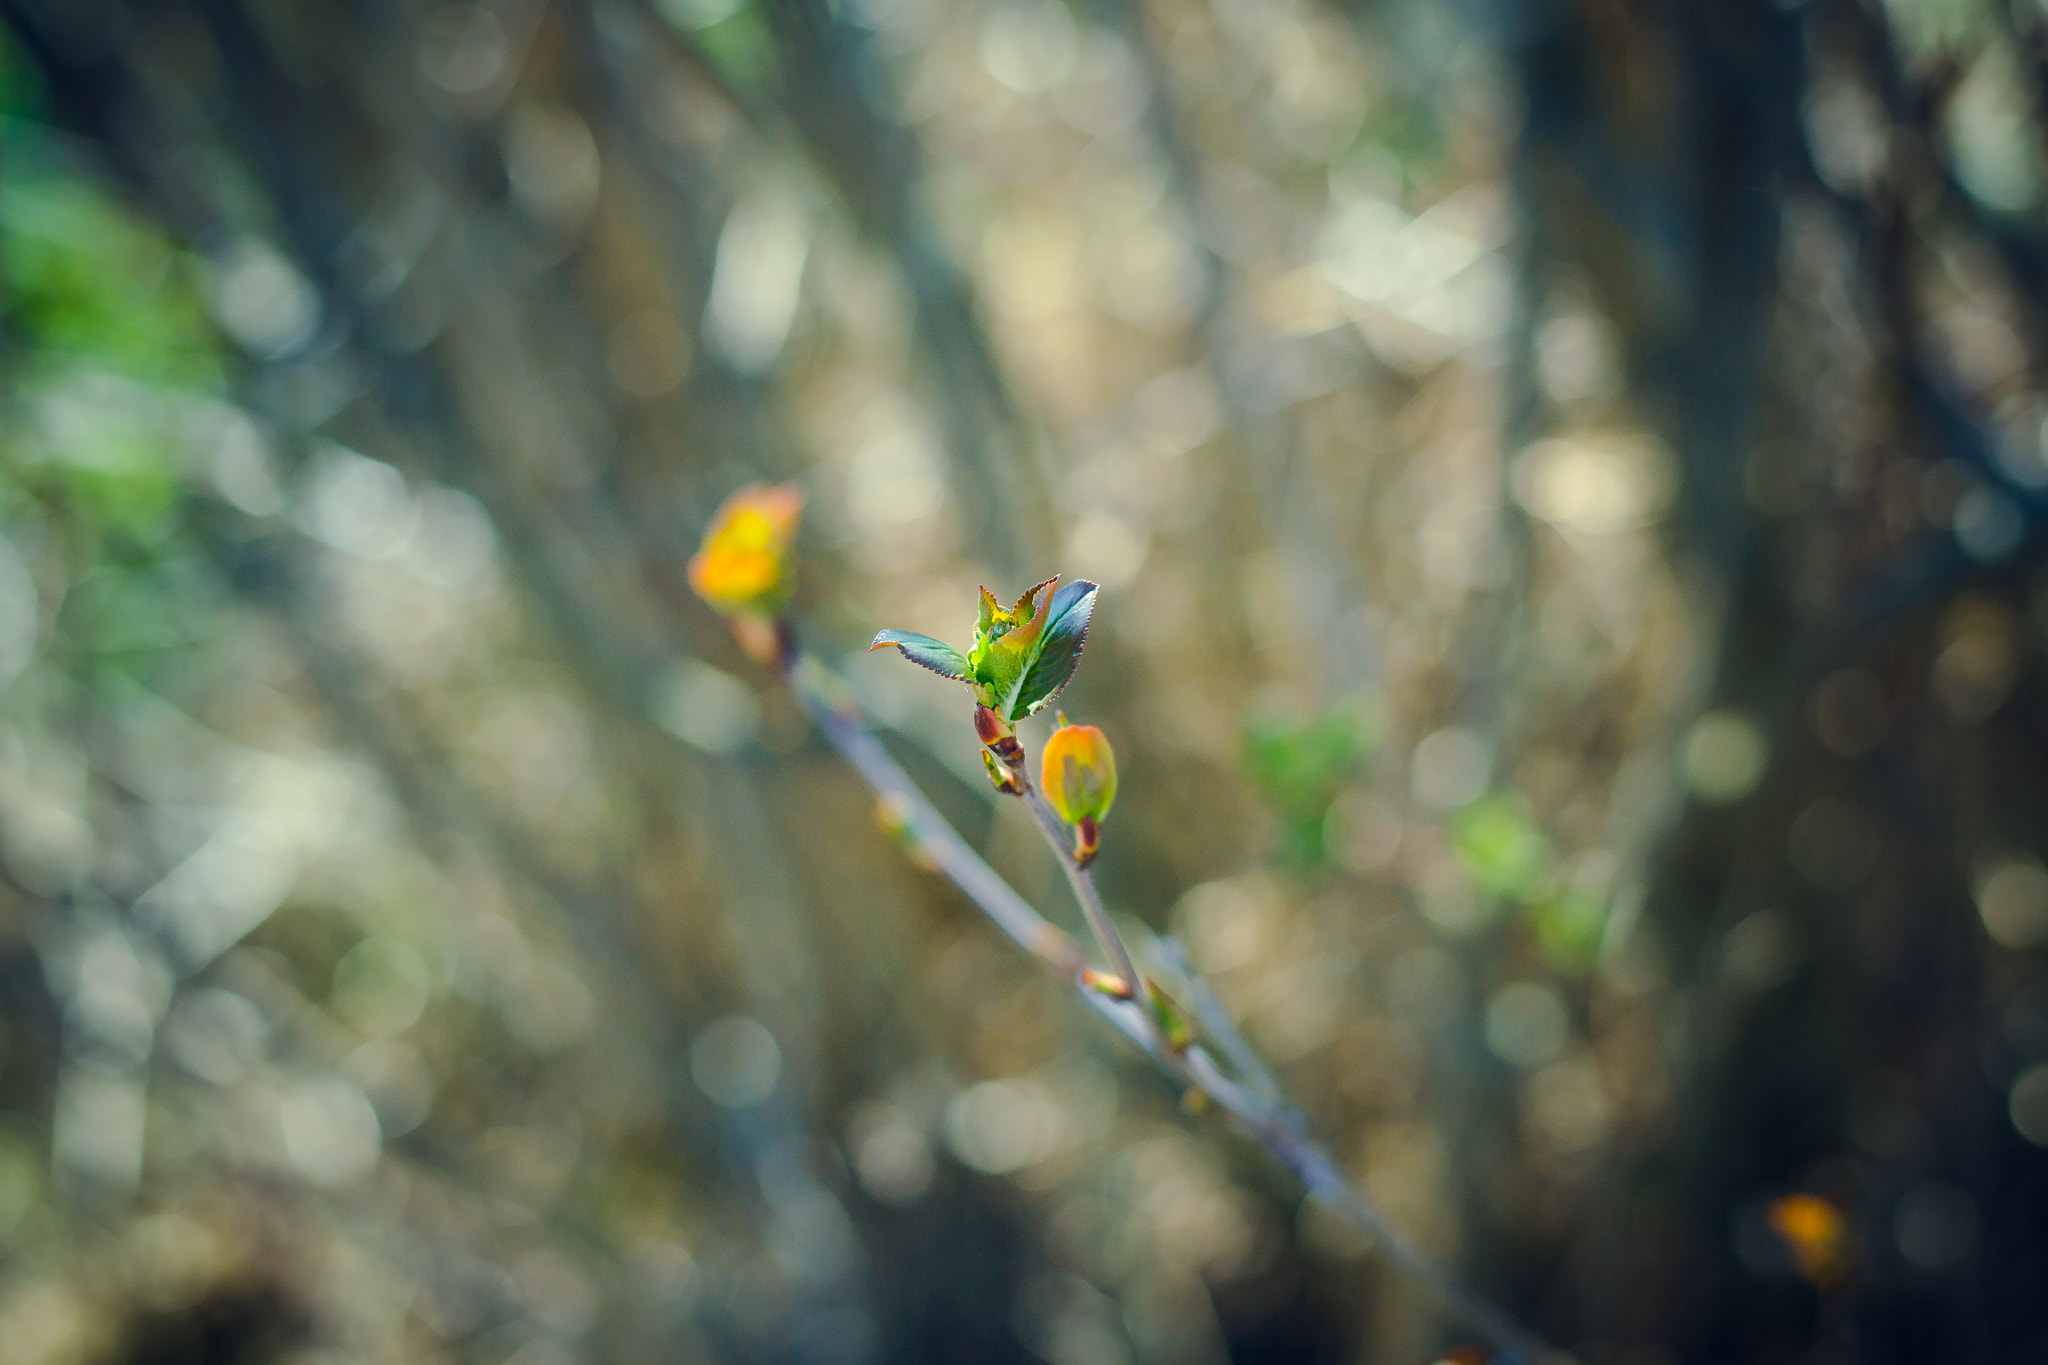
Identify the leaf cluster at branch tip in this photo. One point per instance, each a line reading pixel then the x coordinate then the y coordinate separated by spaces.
pixel 1021 655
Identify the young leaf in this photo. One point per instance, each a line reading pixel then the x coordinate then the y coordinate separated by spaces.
pixel 922 650
pixel 1027 605
pixel 1004 651
pixel 1059 648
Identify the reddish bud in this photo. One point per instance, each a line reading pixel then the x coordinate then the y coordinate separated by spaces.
pixel 1087 840
pixel 990 727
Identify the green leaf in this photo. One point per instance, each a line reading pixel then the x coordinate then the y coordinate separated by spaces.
pixel 922 650
pixel 1005 647
pixel 1059 648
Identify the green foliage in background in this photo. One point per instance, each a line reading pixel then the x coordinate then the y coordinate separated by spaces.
pixel 85 284
pixel 732 33
pixel 1300 763
pixel 111 348
pixel 1502 850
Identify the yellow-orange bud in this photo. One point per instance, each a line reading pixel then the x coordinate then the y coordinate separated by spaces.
pixel 1078 773
pixel 744 563
pixel 1109 983
pixel 1817 1235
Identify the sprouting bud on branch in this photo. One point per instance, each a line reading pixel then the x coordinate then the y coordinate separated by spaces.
pixel 1817 1235
pixel 1021 656
pixel 1005 780
pixel 744 564
pixel 744 569
pixel 1078 772
pixel 1107 983
pixel 998 738
pixel 1175 1026
pixel 989 727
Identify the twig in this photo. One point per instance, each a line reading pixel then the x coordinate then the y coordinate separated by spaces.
pixel 834 711
pixel 1263 1117
pixel 1056 834
pixel 1216 1023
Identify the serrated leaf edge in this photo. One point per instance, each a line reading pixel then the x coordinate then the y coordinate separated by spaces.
pixel 910 636
pixel 1090 589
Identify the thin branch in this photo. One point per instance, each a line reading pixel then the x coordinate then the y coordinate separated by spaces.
pixel 834 711
pixel 1216 1023
pixel 1263 1117
pixel 1059 836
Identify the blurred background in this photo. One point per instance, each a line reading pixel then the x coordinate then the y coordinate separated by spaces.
pixel 1570 489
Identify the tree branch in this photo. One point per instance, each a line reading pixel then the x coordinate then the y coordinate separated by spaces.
pixel 1263 1117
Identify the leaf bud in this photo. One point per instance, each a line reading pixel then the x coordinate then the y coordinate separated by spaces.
pixel 1005 781
pixel 1174 1024
pixel 744 566
pixel 1107 983
pixel 990 727
pixel 1078 773
pixel 1817 1235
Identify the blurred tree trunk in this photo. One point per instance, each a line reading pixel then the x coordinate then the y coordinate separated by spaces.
pixel 1826 969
